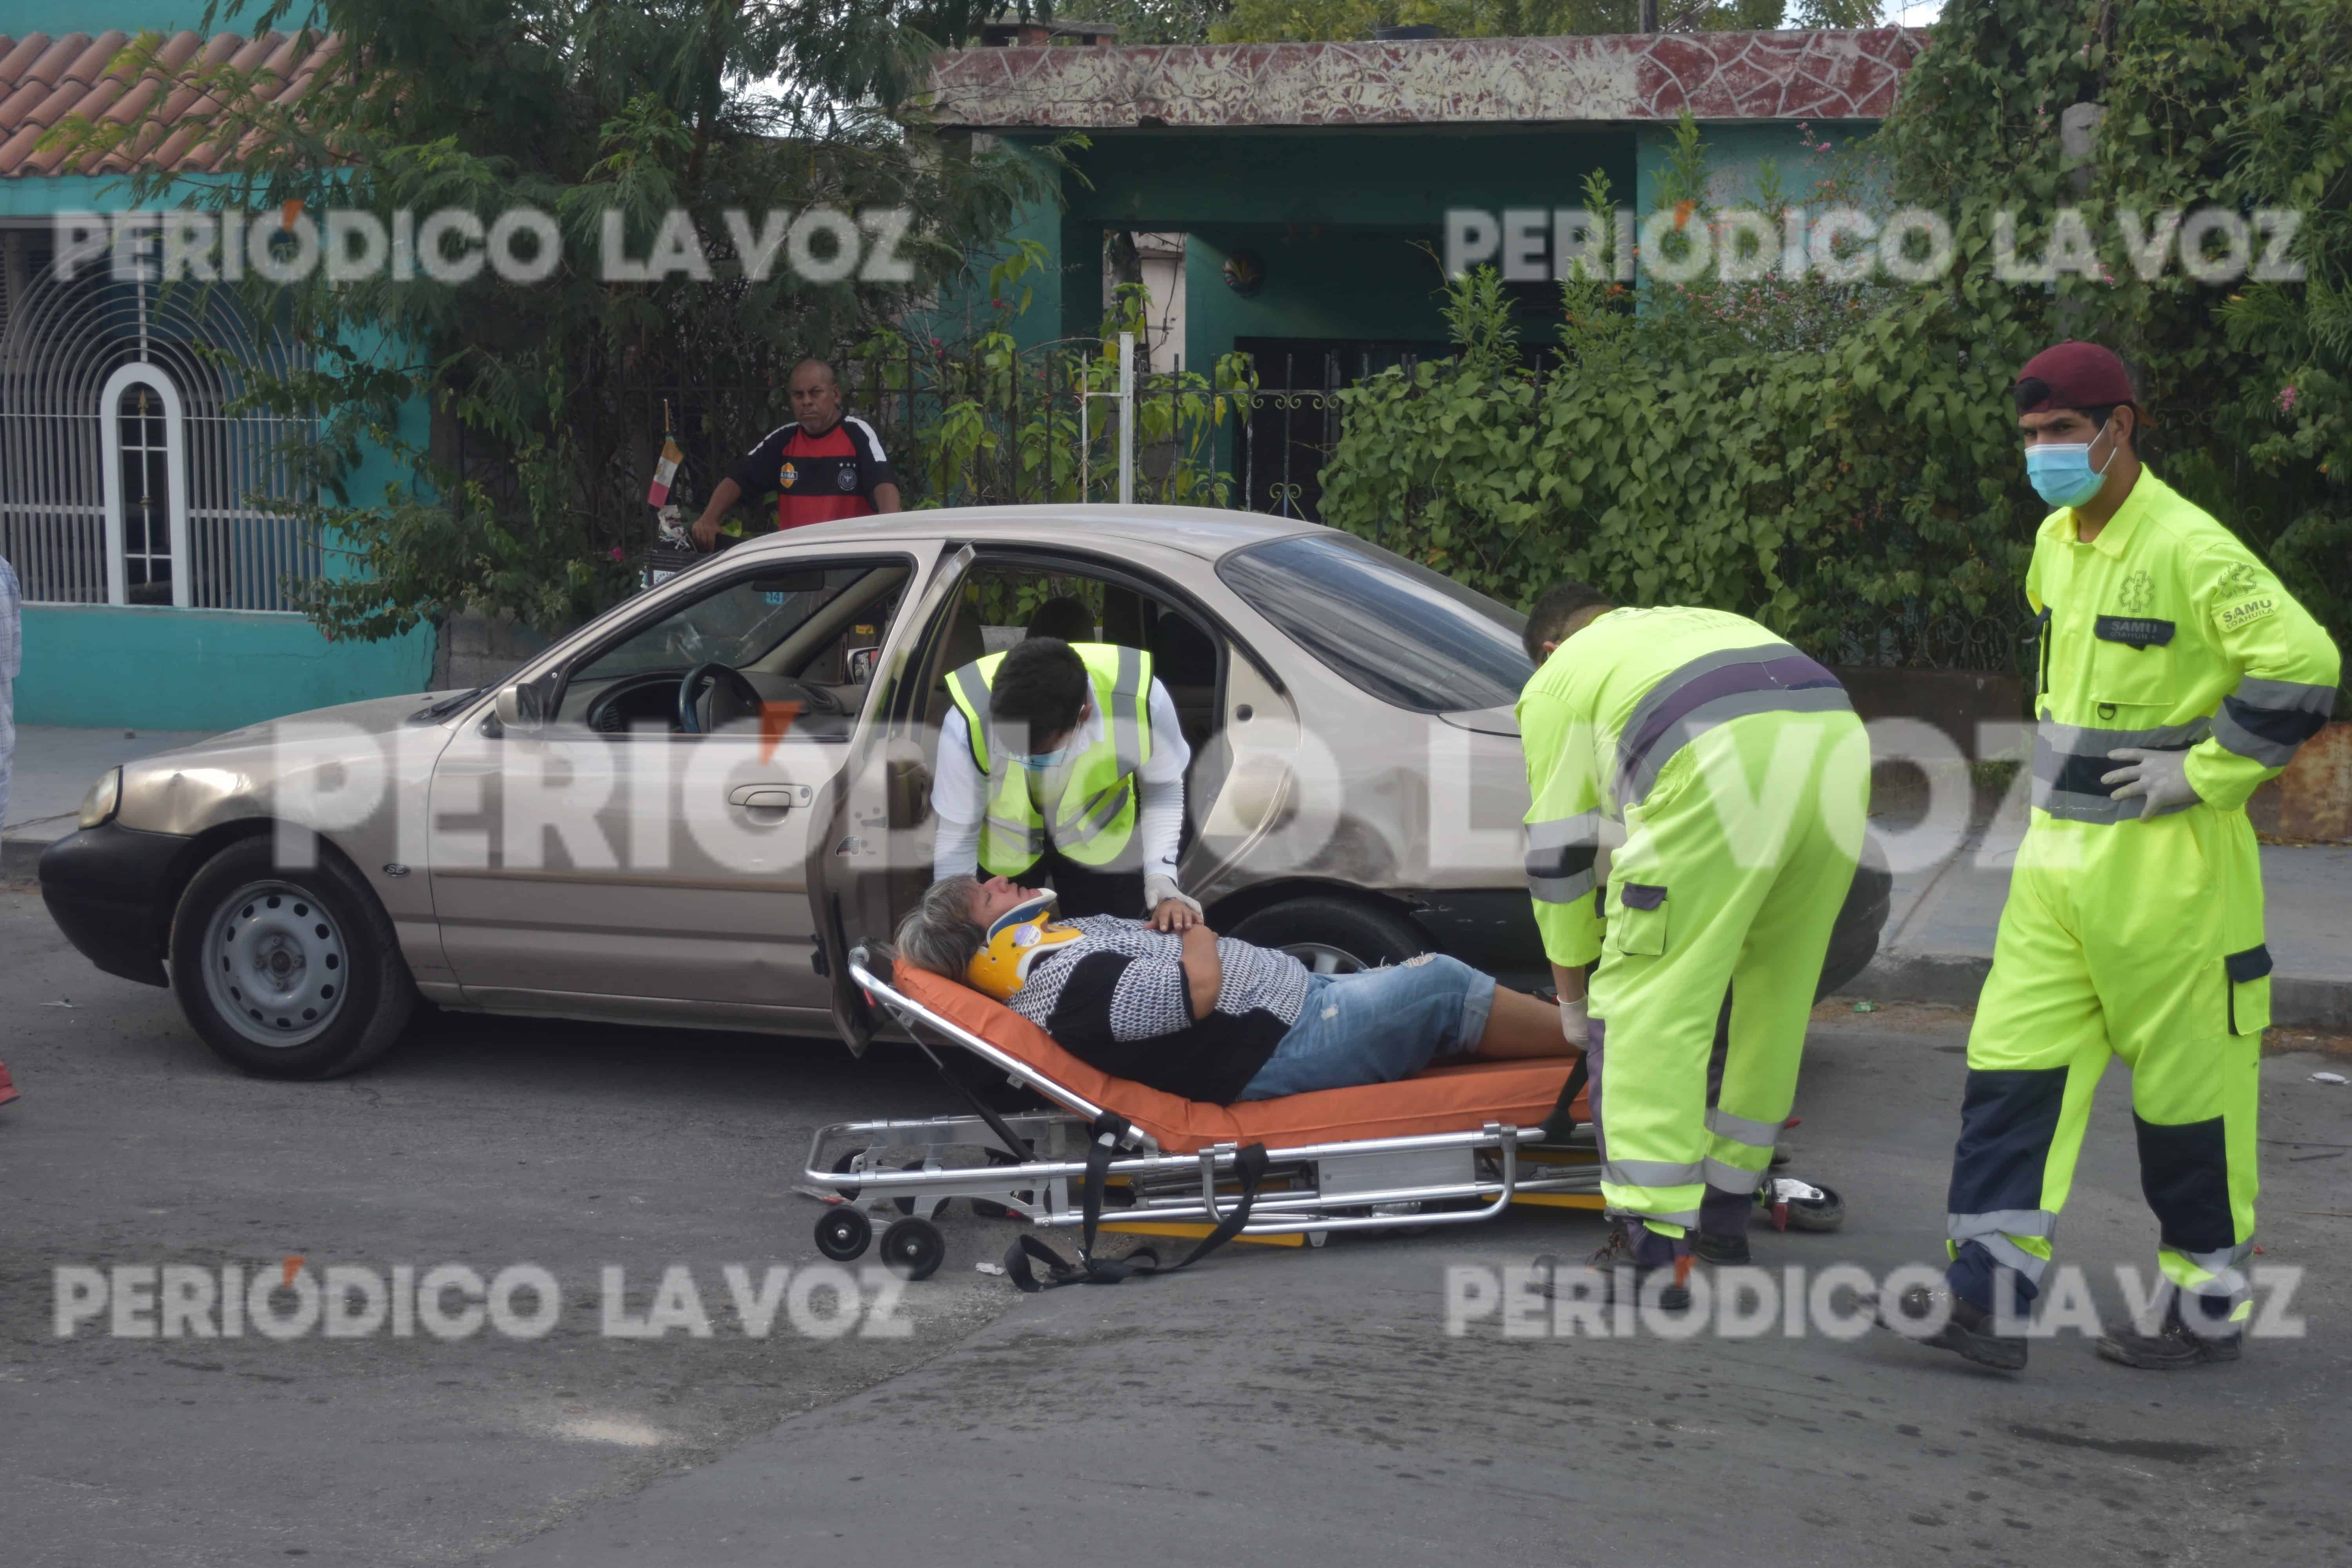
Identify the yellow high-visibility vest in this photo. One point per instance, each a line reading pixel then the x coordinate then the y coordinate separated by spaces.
pixel 1095 814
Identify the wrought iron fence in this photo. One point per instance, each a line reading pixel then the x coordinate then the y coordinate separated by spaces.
pixel 1912 639
pixel 1040 425
pixel 82 520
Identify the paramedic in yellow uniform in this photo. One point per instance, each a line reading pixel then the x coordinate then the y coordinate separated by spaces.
pixel 1728 770
pixel 2176 675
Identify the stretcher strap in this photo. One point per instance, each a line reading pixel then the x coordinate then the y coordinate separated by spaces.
pixel 1106 1131
pixel 1561 1123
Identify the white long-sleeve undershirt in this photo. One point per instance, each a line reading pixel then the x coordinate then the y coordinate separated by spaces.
pixel 959 791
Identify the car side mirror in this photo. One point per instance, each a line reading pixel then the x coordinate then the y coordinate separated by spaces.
pixel 521 706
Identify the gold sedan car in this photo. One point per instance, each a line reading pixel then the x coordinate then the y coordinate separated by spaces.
pixel 687 811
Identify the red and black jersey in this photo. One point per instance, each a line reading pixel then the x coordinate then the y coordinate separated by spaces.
pixel 816 479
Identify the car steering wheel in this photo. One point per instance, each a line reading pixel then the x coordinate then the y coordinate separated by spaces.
pixel 689 691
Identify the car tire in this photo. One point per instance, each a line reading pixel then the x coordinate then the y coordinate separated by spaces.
pixel 1853 941
pixel 1333 936
pixel 289 974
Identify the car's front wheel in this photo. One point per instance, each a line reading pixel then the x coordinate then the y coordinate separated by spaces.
pixel 287 973
pixel 1333 936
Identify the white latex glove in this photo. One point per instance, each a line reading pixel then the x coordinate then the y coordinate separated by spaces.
pixel 2161 776
pixel 1160 889
pixel 1575 1022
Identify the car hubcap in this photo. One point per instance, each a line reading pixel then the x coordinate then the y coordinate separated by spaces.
pixel 1322 958
pixel 274 964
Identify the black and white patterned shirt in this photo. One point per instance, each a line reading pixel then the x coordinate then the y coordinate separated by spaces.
pixel 1117 1000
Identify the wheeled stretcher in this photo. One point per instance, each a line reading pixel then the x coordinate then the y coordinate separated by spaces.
pixel 1452 1145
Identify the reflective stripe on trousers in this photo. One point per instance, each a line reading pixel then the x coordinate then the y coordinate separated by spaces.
pixel 1749 1137
pixel 1994 1232
pixel 2219 1274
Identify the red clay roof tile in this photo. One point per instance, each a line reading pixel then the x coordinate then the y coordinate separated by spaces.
pixel 47 80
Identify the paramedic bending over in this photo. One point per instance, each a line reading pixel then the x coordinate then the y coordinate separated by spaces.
pixel 1062 764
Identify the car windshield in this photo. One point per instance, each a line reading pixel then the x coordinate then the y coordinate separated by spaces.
pixel 1392 628
pixel 735 626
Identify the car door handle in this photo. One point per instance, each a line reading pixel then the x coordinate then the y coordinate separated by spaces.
pixel 768 797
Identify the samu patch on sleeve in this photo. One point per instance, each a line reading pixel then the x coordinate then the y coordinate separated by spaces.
pixel 2246 612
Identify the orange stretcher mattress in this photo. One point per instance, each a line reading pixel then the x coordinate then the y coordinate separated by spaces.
pixel 1440 1099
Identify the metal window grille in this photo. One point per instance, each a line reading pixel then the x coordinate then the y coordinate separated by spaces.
pixel 145 497
pixel 62 341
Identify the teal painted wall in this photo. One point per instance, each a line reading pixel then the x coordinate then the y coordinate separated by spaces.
pixel 1344 282
pixel 1340 219
pixel 1330 203
pixel 59 17
pixel 1735 155
pixel 75 192
pixel 189 669
pixel 198 669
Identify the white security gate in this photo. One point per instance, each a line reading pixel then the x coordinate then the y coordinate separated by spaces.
pixel 123 479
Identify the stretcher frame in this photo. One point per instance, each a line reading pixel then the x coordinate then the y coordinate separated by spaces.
pixel 1331 1186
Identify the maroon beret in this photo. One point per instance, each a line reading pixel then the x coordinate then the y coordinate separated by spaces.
pixel 2079 375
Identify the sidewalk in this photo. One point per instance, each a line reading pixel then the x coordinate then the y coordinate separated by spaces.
pixel 1938 944
pixel 55 766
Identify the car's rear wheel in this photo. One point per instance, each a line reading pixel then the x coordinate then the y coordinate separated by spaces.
pixel 1333 936
pixel 287 973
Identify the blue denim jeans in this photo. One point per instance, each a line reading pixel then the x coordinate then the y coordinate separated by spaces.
pixel 1377 1025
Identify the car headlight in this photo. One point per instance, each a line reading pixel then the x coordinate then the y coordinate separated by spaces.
pixel 98 806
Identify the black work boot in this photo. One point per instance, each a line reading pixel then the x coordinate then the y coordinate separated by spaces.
pixel 1621 1252
pixel 1721 1236
pixel 1723 1251
pixel 2174 1344
pixel 1968 1329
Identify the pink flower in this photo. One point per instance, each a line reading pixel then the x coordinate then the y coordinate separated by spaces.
pixel 616 553
pixel 2286 400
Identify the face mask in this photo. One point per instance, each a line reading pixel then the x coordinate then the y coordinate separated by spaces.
pixel 1044 761
pixel 2062 473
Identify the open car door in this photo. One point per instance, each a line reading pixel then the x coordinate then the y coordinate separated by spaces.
pixel 872 856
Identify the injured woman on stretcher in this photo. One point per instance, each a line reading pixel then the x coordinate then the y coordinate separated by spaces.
pixel 1208 1017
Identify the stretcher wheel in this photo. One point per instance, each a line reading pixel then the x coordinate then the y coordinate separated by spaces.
pixel 914 1248
pixel 907 1203
pixel 1824 1212
pixel 847 1189
pixel 989 1208
pixel 842 1234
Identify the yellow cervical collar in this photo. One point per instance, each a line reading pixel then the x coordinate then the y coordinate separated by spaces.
pixel 1015 942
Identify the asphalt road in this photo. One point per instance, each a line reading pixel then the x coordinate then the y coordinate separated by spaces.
pixel 1292 1405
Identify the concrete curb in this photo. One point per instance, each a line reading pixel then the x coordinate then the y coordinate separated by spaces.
pixel 20 857
pixel 2297 1001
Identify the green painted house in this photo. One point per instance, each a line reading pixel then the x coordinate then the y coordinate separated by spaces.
pixel 1297 196
pixel 133 497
